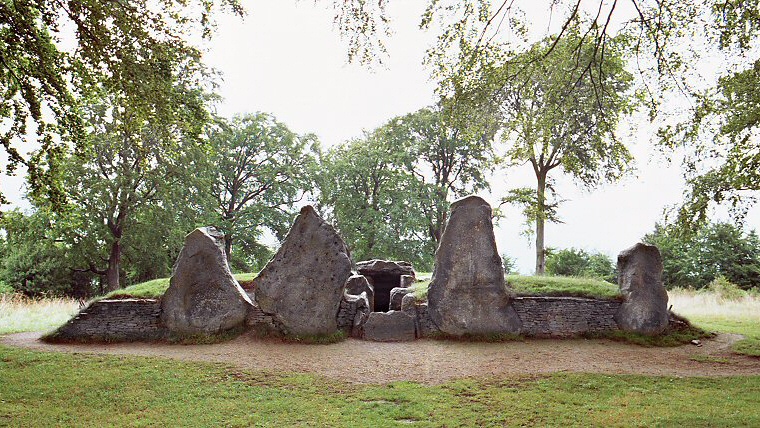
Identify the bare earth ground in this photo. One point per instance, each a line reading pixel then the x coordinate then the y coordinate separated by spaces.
pixel 431 361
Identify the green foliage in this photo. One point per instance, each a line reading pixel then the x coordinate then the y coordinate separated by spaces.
pixel 111 390
pixel 562 286
pixel 695 260
pixel 32 259
pixel 257 170
pixel 552 111
pixel 578 262
pixel 389 192
pixel 365 192
pixel 5 288
pixel 124 46
pixel 509 264
pixel 725 289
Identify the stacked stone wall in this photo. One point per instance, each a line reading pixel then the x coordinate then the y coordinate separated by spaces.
pixel 116 321
pixel 565 316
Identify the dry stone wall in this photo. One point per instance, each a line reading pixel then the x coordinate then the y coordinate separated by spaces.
pixel 565 316
pixel 115 321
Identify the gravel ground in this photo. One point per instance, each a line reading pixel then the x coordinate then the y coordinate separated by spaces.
pixel 432 362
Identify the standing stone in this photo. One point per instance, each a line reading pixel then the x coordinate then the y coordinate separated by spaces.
pixel 467 294
pixel 203 296
pixel 358 284
pixel 302 286
pixel 645 301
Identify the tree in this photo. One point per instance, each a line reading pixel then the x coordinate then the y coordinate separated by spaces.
pixel 42 83
pixel 32 260
pixel 260 169
pixel 138 152
pixel 695 259
pixel 556 128
pixel 578 262
pixel 720 131
pixel 448 159
pixel 367 192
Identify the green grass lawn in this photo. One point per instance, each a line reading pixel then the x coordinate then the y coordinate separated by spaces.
pixel 50 389
pixel 156 288
pixel 748 328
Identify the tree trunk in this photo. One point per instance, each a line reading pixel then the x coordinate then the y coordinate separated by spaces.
pixel 114 266
pixel 540 223
pixel 228 246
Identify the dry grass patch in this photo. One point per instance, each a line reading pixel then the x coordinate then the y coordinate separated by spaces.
pixel 19 313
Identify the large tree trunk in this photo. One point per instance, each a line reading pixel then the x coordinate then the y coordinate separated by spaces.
pixel 114 266
pixel 540 223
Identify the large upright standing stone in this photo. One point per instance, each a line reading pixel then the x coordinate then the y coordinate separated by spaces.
pixel 645 301
pixel 301 287
pixel 203 296
pixel 467 294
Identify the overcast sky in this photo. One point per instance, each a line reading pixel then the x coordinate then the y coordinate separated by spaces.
pixel 286 58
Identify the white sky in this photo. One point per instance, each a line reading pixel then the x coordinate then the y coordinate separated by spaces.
pixel 287 59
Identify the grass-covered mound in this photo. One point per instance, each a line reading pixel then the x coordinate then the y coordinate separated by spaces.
pixel 555 286
pixel 562 286
pixel 156 288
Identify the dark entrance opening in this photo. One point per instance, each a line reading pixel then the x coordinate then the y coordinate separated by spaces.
pixel 385 275
pixel 383 283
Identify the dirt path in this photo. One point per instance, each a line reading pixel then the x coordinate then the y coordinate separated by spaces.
pixel 431 362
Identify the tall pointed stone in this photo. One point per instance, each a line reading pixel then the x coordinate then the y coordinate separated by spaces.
pixel 302 286
pixel 467 294
pixel 645 301
pixel 203 297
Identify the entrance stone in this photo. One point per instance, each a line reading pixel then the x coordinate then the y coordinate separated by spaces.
pixel 393 326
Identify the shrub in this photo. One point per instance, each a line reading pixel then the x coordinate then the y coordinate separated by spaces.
pixel 576 262
pixel 726 290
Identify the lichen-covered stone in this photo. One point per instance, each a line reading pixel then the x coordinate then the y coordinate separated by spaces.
pixel 467 294
pixel 302 286
pixel 393 326
pixel 358 284
pixel 397 294
pixel 645 301
pixel 384 267
pixel 203 297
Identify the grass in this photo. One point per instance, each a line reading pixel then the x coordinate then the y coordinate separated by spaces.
pixel 711 312
pixel 19 313
pixel 51 389
pixel 562 286
pixel 156 288
pixel 546 286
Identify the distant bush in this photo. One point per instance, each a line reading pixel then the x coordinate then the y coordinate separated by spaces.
pixel 726 290
pixel 5 288
pixel 577 262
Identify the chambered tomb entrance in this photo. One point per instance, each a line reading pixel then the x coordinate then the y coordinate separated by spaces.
pixel 384 276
